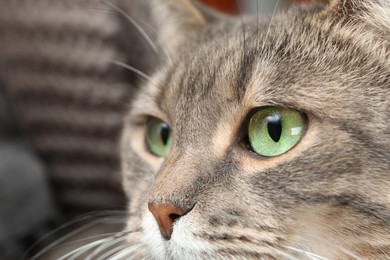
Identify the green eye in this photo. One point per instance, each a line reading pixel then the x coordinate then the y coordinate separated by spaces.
pixel 273 131
pixel 158 137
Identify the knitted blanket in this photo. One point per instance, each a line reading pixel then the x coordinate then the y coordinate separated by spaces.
pixel 69 98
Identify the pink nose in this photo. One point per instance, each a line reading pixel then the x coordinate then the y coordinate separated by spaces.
pixel 165 215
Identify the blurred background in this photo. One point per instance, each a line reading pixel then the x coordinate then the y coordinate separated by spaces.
pixel 61 109
pixel 251 6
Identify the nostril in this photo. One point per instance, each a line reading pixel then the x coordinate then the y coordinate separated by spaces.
pixel 174 216
pixel 166 215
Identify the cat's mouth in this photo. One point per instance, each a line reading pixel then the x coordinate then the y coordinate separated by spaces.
pixel 186 243
pixel 182 244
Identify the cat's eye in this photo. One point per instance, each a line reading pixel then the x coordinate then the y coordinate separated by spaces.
pixel 273 130
pixel 158 137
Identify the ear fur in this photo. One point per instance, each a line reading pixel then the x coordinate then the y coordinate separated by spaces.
pixel 373 12
pixel 180 20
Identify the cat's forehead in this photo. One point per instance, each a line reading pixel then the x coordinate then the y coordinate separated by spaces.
pixel 300 63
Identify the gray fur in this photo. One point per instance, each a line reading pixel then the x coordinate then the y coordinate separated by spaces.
pixel 330 194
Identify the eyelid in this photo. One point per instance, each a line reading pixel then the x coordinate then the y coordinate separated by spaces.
pixel 286 104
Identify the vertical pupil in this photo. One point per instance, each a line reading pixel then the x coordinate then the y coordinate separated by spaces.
pixel 274 125
pixel 164 133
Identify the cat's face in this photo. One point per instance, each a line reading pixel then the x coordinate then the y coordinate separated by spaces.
pixel 206 175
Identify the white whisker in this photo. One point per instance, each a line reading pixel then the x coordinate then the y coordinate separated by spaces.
pixel 135 70
pixel 110 241
pixel 311 255
pixel 111 252
pixel 149 26
pixel 243 29
pixel 79 251
pixel 63 238
pixel 119 237
pixel 125 252
pixel 288 256
pixel 220 256
pixel 105 236
pixel 348 253
pixel 270 23
pixel 66 225
pixel 387 256
pixel 134 23
pixel 257 20
pixel 137 252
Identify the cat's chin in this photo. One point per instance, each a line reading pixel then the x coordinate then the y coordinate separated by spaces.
pixel 183 244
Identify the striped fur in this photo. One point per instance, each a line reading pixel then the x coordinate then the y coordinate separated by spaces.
pixel 326 198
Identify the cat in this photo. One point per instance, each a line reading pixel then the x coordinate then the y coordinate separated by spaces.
pixel 262 138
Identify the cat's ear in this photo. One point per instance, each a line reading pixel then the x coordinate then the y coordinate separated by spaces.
pixel 373 12
pixel 178 21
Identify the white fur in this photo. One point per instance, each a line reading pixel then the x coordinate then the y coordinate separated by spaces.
pixel 152 237
pixel 379 15
pixel 182 245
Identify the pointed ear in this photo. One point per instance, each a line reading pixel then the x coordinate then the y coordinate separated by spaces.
pixel 178 21
pixel 373 12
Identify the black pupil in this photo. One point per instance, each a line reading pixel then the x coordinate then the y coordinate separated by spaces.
pixel 274 125
pixel 164 133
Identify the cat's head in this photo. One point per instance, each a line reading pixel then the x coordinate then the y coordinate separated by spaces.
pixel 259 138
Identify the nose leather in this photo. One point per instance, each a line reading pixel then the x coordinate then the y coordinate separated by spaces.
pixel 166 215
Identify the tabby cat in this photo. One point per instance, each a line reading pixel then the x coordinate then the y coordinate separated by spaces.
pixel 263 138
